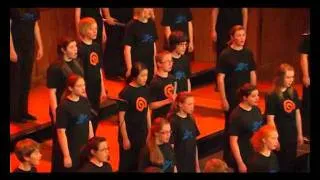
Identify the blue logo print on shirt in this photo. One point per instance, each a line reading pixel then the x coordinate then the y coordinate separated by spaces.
pixel 242 67
pixel 256 125
pixel 180 19
pixel 28 17
pixel 82 118
pixel 179 75
pixel 147 38
pixel 167 164
pixel 187 135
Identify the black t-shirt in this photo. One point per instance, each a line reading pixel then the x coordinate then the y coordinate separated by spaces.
pixel 304 47
pixel 18 170
pixel 123 15
pixel 284 112
pixel 177 19
pixel 56 79
pixel 95 14
pixel 181 71
pixel 243 124
pixel 261 163
pixel 227 18
pixel 90 57
pixel 74 117
pixel 236 65
pixel 135 102
pixel 22 28
pixel 160 89
pixel 184 137
pixel 92 168
pixel 168 155
pixel 141 37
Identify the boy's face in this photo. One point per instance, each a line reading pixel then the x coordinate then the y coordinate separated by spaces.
pixel 92 31
pixel 34 158
pixel 239 37
pixel 166 63
pixel 181 48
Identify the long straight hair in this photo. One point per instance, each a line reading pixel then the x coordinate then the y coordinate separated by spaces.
pixel 156 155
pixel 278 81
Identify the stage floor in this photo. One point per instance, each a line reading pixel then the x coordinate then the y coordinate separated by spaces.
pixel 208 114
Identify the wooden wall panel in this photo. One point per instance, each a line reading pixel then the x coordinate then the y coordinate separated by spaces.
pixel 273 35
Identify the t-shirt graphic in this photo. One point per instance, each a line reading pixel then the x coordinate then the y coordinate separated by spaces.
pixel 168 90
pixel 180 75
pixel 147 38
pixel 187 135
pixel 82 118
pixel 94 58
pixel 180 19
pixel 28 17
pixel 141 103
pixel 167 164
pixel 242 67
pixel 289 106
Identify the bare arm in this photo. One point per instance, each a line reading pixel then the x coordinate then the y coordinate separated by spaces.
pixel 221 87
pixel 38 40
pixel 305 69
pixel 155 69
pixel 167 32
pixel 236 153
pixel 77 20
pixel 127 58
pixel 103 90
pixel 190 27
pixel 159 104
pixel 13 54
pixel 299 127
pixel 245 17
pixel 91 134
pixel 214 16
pixel 149 118
pixel 53 103
pixel 122 124
pixel 189 85
pixel 63 142
pixel 197 161
pixel 253 78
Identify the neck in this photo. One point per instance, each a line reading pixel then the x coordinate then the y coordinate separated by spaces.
pixel 87 41
pixel 73 97
pixel 265 152
pixel 182 114
pixel 66 58
pixel 236 47
pixel 158 142
pixel 176 55
pixel 134 84
pixel 141 19
pixel 162 73
pixel 25 166
pixel 283 89
pixel 245 106
pixel 94 161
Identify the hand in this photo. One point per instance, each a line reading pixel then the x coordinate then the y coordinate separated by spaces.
pixel 225 105
pixel 13 56
pixel 103 95
pixel 214 35
pixel 128 73
pixel 104 37
pixel 39 54
pixel 198 169
pixel 67 162
pixel 110 20
pixel 300 140
pixel 242 168
pixel 126 144
pixel 190 47
pixel 306 81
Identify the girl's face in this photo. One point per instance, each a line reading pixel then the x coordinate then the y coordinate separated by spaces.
pixel 34 158
pixel 188 105
pixel 79 88
pixel 142 77
pixel 92 31
pixel 166 63
pixel 71 51
pixel 271 142
pixel 288 78
pixel 102 154
pixel 239 38
pixel 253 98
pixel 164 134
